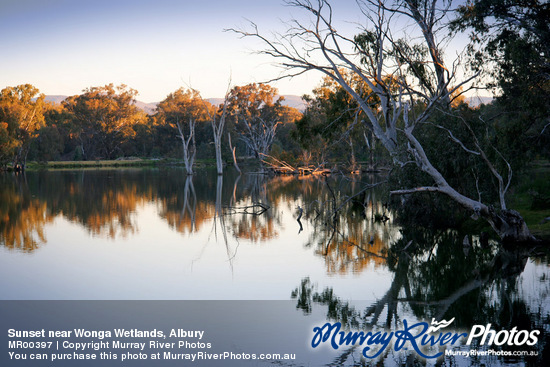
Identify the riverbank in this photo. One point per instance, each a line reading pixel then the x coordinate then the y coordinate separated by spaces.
pixel 127 162
pixel 530 196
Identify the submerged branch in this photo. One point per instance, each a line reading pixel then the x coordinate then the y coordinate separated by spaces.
pixel 349 243
pixel 416 190
pixel 254 209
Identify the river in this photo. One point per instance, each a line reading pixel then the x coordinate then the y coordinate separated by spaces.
pixel 157 234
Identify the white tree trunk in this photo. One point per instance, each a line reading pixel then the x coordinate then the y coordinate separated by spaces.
pixel 232 148
pixel 218 147
pixel 188 151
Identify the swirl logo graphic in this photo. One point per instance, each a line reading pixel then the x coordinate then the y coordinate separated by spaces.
pixel 439 325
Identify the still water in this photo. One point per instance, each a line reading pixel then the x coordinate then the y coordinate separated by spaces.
pixel 146 234
pixel 158 234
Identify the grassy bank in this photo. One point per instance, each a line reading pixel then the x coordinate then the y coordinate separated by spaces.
pixel 91 164
pixel 134 162
pixel 531 197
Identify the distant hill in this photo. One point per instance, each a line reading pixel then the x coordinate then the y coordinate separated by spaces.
pixel 478 100
pixel 150 108
pixel 55 99
pixel 298 103
pixel 289 100
pixel 295 101
pixel 215 101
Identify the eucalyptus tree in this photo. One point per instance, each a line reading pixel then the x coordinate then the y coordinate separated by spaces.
pixel 398 54
pixel 257 112
pixel 332 120
pixel 21 117
pixel 510 42
pixel 103 118
pixel 181 110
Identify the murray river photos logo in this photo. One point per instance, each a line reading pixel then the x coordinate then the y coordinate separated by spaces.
pixel 419 337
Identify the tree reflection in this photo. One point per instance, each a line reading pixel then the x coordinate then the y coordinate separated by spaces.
pixel 352 229
pixel 103 202
pixel 219 220
pixel 182 210
pixel 254 195
pixel 106 203
pixel 22 217
pixel 435 278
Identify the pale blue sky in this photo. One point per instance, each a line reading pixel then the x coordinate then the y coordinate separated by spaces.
pixel 154 46
pixel 64 46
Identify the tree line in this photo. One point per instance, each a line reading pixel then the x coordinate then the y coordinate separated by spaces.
pixel 105 123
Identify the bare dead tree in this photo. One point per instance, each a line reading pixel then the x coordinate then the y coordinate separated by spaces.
pixel 188 151
pixel 410 77
pixel 233 153
pixel 217 121
pixel 217 127
pixel 256 115
pixel 259 135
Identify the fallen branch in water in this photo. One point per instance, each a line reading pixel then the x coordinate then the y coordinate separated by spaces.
pixel 349 243
pixel 282 167
pixel 278 165
pixel 300 212
pixel 254 209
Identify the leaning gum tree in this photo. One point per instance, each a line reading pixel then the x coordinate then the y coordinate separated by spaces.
pixel 398 53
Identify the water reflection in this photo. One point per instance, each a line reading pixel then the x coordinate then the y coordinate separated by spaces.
pixel 182 210
pixel 105 203
pixel 22 216
pixel 435 278
pixel 347 236
pixel 353 226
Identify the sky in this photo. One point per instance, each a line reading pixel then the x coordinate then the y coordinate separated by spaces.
pixel 154 46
